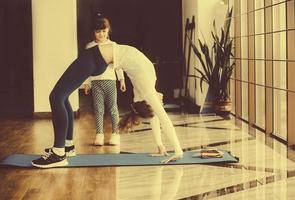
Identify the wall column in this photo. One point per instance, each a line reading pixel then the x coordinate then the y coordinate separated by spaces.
pixel 237 52
pixel 290 7
pixel 54 47
pixel 268 69
pixel 251 56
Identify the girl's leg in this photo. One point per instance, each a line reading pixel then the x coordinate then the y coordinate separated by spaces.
pixel 112 108
pixel 111 103
pixel 98 104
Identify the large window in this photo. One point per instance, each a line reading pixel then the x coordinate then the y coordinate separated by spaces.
pixel 259 64
pixel 264 85
pixel 232 81
pixel 244 58
pixel 279 69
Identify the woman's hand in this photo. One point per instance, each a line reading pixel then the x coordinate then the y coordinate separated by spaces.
pixel 161 152
pixel 172 158
pixel 86 89
pixel 122 85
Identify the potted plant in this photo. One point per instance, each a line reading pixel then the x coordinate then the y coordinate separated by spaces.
pixel 216 67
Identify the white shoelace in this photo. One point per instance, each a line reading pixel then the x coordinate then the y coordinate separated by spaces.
pixel 47 154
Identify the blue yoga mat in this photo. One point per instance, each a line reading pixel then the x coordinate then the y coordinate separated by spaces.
pixel 103 160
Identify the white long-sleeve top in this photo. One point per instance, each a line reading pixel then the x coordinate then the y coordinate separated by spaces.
pixel 142 74
pixel 109 73
pixel 134 63
pixel 138 68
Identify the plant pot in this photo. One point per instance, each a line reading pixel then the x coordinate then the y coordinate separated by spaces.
pixel 223 108
pixel 208 105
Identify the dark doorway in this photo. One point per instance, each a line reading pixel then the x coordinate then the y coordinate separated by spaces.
pixel 153 26
pixel 16 77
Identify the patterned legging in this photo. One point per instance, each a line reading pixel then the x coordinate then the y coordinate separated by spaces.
pixel 104 93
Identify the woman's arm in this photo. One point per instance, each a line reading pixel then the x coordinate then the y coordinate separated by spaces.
pixel 120 76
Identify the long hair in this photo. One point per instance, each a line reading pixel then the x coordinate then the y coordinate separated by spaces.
pixel 138 110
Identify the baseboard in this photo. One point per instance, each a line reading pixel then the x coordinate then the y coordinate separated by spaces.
pixel 47 115
pixel 190 106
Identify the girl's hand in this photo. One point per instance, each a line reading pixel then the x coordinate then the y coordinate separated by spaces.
pixel 122 85
pixel 86 89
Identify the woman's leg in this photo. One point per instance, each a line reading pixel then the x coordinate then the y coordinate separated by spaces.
pixel 155 123
pixel 70 128
pixel 69 144
pixel 89 63
pixel 167 126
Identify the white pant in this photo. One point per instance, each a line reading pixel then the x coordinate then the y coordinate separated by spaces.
pixel 148 93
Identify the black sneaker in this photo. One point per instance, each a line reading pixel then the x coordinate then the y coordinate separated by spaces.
pixel 49 160
pixel 70 151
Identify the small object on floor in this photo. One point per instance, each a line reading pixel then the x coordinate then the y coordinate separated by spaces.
pixel 209 153
pixel 99 140
pixel 115 139
pixel 112 160
pixel 70 151
pixel 50 160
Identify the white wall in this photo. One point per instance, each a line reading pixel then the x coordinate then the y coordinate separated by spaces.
pixel 189 9
pixel 205 12
pixel 54 47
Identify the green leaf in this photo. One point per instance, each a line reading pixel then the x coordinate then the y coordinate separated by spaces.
pixel 215 62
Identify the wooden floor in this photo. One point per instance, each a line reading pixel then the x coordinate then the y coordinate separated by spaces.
pixel 264 171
